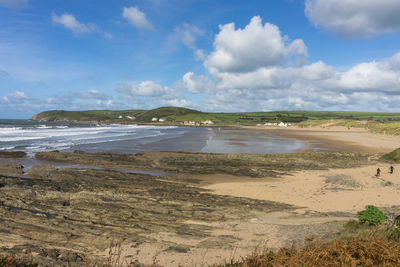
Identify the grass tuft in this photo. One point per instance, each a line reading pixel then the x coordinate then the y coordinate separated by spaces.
pixel 373 247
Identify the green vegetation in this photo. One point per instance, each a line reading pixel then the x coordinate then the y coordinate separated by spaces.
pixel 180 115
pixel 394 155
pixel 85 116
pixel 358 244
pixel 372 215
pixel 376 246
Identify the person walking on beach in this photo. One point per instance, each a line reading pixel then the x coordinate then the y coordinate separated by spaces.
pixel 391 169
pixel 378 172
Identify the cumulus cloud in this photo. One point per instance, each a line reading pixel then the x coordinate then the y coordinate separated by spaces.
pixel 137 18
pixel 149 94
pixel 70 22
pixel 239 84
pixel 355 18
pixel 14 3
pixel 255 46
pixel 196 84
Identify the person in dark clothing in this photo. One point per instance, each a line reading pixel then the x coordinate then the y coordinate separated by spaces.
pixel 391 169
pixel 378 172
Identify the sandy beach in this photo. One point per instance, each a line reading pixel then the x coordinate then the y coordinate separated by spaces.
pixel 337 138
pixel 206 209
pixel 333 190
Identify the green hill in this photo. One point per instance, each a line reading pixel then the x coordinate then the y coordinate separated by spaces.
pixel 170 114
pixel 85 116
pixel 177 115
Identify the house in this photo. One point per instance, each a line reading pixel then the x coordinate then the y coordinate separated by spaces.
pixel 162 120
pixel 282 124
pixel 208 122
pixel 130 117
pixel 119 117
pixel 154 119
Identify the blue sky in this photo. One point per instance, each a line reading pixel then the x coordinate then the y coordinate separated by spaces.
pixel 209 55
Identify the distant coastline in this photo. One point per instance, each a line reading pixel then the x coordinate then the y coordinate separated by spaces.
pixel 182 116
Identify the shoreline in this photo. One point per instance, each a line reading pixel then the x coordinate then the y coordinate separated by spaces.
pixel 336 138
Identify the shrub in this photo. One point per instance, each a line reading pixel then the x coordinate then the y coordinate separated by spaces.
pixel 372 215
pixel 397 221
pixel 394 155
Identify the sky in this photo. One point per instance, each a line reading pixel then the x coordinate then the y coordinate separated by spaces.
pixel 216 56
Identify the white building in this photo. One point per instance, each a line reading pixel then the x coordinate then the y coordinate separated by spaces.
pixel 154 119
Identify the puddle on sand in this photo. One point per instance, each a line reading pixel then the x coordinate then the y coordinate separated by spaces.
pixel 35 212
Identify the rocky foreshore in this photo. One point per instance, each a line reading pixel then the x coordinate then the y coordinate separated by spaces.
pixel 72 217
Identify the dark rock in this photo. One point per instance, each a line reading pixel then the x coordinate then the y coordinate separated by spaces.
pixel 12 154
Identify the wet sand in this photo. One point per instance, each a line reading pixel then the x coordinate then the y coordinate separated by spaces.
pixel 336 138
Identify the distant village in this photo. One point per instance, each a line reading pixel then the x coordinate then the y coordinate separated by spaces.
pixel 206 122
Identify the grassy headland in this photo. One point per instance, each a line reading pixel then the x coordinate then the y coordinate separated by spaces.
pixel 175 115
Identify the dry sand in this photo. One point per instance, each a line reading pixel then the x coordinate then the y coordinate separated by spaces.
pixel 334 190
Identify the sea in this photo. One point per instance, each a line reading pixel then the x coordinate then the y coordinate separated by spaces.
pixel 33 136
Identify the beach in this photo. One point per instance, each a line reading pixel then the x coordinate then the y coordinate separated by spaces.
pixel 177 208
pixel 337 138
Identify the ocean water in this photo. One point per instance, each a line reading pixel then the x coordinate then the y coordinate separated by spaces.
pixel 33 136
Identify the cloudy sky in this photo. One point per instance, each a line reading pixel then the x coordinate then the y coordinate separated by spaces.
pixel 209 55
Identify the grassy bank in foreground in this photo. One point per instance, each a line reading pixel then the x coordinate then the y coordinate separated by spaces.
pixel 175 115
pixel 376 246
pixel 371 241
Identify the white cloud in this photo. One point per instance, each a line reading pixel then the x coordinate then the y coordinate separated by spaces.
pixel 13 97
pixel 70 22
pixel 146 88
pixel 255 46
pixel 149 94
pixel 14 3
pixel 177 103
pixel 188 34
pixel 90 94
pixel 137 18
pixel 108 35
pixel 355 18
pixel 196 84
pixel 199 54
pixel 275 85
